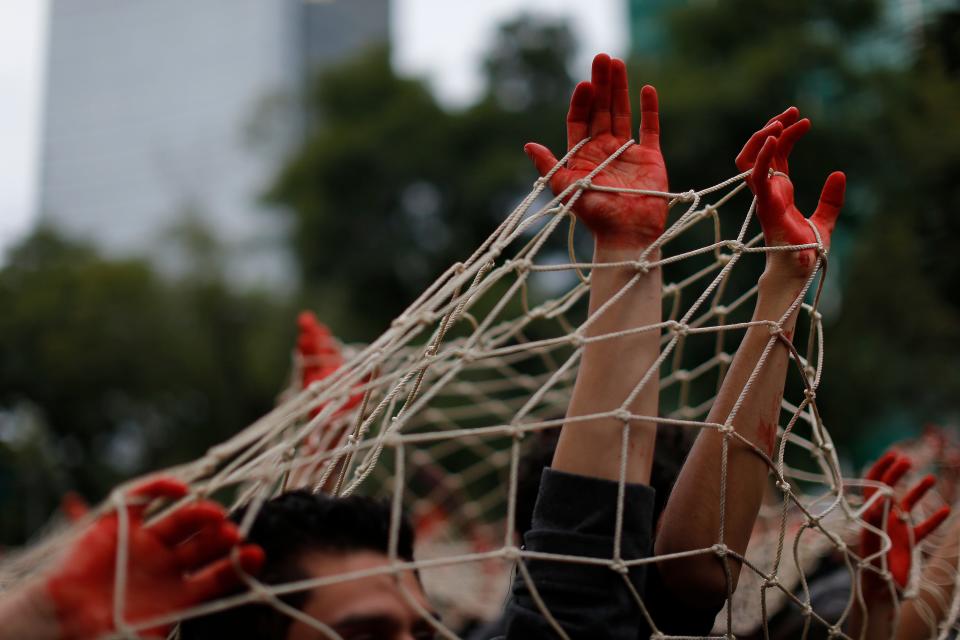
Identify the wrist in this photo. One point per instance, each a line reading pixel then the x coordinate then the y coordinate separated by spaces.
pixel 29 613
pixel 606 252
pixel 781 283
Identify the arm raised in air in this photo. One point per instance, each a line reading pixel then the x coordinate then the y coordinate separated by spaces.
pixel 693 515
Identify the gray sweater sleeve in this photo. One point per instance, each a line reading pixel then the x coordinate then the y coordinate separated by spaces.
pixel 576 515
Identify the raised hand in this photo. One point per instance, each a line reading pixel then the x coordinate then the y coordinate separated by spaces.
pixel 320 356
pixel 767 153
pixel 903 536
pixel 175 563
pixel 600 109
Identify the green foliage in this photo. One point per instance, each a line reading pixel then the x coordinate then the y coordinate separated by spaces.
pixel 109 370
pixel 388 189
pixel 892 336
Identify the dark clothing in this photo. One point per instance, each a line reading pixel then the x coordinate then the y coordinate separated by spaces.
pixel 576 515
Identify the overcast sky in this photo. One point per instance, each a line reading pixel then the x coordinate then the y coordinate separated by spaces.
pixel 441 40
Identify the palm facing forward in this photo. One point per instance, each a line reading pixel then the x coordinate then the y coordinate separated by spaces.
pixel 600 109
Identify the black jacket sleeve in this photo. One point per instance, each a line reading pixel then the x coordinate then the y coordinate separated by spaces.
pixel 576 515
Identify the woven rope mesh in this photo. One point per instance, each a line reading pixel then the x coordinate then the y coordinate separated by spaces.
pixel 438 413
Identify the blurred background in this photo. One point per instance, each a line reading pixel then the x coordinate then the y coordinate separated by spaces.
pixel 180 177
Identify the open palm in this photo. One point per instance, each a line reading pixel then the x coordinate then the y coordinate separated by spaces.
pixel 600 109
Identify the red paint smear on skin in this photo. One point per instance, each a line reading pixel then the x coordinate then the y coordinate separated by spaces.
pixel 768 436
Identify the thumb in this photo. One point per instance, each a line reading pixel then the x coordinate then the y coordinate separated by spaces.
pixel 831 201
pixel 542 158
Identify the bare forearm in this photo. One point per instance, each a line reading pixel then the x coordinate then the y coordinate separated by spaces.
pixel 877 621
pixel 692 517
pixel 28 613
pixel 611 369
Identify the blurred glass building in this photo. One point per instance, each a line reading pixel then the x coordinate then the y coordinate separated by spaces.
pixel 166 115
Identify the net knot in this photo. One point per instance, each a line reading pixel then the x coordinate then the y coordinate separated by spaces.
pixel 721 310
pixel 392 439
pixel 522 265
pixel 826 447
pixel 619 567
pixel 642 266
pixel 584 183
pixel 783 486
pixel 720 549
pixel 775 328
pixel 813 521
pixel 807 611
pixel 771 581
pixel 688 196
pixel 511 553
pixel 678 328
pixel 540 182
pixel 622 415
pixel 735 245
pixel 576 340
pixel 810 394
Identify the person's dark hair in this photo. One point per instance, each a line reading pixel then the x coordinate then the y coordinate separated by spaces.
pixel 288 527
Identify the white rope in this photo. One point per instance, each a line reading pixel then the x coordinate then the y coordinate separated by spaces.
pixel 487 356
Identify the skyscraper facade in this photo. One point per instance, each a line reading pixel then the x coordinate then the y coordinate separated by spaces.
pixel 151 113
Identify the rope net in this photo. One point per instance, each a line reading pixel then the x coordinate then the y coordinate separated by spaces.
pixel 438 413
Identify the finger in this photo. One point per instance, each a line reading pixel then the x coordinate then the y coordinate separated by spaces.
pixel 790 136
pixel 578 117
pixel 73 506
pixel 786 118
pixel 748 155
pixel 761 169
pixel 649 117
pixel 153 489
pixel 188 520
pixel 880 466
pixel 545 161
pixel 831 201
pixel 620 96
pixel 896 471
pixel 927 527
pixel 306 321
pixel 208 545
pixel 221 576
pixel 917 492
pixel 542 157
pixel 600 78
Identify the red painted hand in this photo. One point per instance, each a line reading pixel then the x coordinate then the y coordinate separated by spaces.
pixel 320 356
pixel 783 224
pixel 889 470
pixel 600 109
pixel 175 563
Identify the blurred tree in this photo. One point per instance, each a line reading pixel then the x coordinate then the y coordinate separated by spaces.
pixel 109 370
pixel 388 189
pixel 895 276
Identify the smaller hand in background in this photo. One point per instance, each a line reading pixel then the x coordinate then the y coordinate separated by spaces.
pixel 888 470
